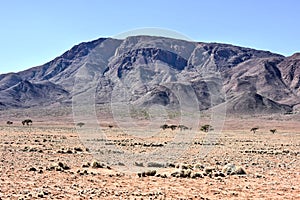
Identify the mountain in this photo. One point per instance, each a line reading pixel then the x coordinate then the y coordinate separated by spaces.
pixel 147 71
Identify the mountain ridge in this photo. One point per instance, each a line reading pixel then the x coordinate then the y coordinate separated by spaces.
pixel 216 73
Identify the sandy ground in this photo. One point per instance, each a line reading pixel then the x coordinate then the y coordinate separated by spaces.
pixel 50 161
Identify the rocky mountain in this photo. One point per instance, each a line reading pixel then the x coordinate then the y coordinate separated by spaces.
pixel 145 71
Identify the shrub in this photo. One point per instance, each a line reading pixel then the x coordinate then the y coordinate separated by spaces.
pixel 155 164
pixel 150 173
pixel 139 164
pixel 206 128
pixel 27 122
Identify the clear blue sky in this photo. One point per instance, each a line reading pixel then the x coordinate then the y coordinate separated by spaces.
pixel 34 32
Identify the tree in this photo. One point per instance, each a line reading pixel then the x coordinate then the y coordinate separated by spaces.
pixel 183 127
pixel 173 127
pixel 165 126
pixel 80 124
pixel 27 122
pixel 206 128
pixel 273 131
pixel 254 129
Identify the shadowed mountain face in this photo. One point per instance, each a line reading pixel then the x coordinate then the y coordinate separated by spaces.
pixel 146 71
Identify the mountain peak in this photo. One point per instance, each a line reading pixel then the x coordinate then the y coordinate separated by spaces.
pixel 295 56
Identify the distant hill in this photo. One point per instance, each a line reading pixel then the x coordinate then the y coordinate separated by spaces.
pixel 160 71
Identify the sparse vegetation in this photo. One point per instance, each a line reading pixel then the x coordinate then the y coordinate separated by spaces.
pixel 9 122
pixel 206 128
pixel 173 127
pixel 273 131
pixel 254 129
pixel 68 158
pixel 80 124
pixel 27 122
pixel 165 126
pixel 156 165
pixel 139 164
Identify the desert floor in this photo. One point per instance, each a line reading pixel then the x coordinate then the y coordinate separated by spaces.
pixel 50 161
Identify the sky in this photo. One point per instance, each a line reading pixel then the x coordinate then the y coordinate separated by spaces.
pixel 33 32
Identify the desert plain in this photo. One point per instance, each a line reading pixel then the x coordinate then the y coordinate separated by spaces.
pixel 49 160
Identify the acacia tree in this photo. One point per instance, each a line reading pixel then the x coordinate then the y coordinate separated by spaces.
pixel 80 124
pixel 165 126
pixel 254 129
pixel 273 131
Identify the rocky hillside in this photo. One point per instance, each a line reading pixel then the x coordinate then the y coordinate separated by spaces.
pixel 146 71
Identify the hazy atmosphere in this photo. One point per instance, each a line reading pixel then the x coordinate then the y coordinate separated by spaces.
pixel 35 32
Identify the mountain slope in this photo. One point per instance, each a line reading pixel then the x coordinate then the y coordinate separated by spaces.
pixel 146 71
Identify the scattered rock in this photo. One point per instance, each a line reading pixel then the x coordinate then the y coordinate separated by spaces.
pixel 186 166
pixel 32 169
pixel 171 165
pixel 209 170
pixel 199 166
pixel 229 168
pixel 96 164
pixel 86 165
pixel 259 175
pixel 63 166
pixel 147 173
pixel 239 171
pixel 79 149
pixel 185 173
pixel 176 174
pixel 60 166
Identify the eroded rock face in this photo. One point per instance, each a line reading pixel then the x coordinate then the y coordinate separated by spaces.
pixel 152 69
pixel 291 72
